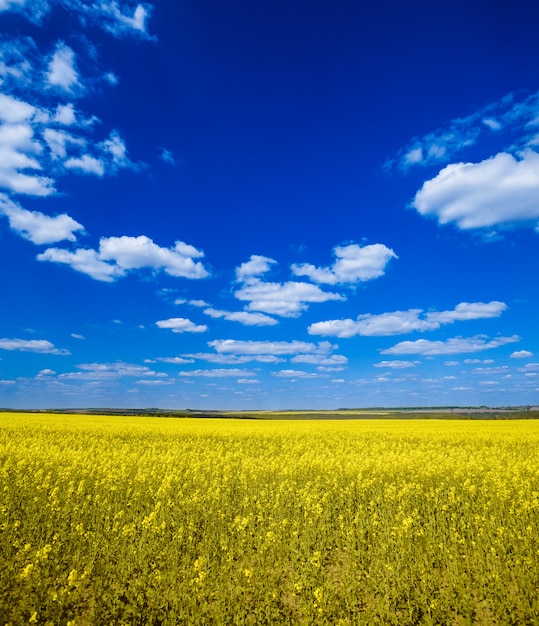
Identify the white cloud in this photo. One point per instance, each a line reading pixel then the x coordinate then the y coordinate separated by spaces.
pixel 234 346
pixel 232 359
pixel 401 322
pixel 38 227
pixel 77 336
pixel 175 360
pixel 468 311
pixel 46 372
pixel 501 190
pixel 118 255
pixel 243 317
pixel 217 373
pixel 476 361
pixel 521 354
pixel 115 148
pixel 120 20
pixel 295 374
pixel 320 359
pixel 253 268
pixel 65 115
pixel 354 264
pixel 41 346
pixel 13 111
pixel 181 325
pixel 62 71
pixel 456 345
pixel 285 299
pixel 529 367
pixel 397 364
pixel 86 164
pixel 109 371
pixel 58 141
pixel 18 151
pixel 138 252
pixel 85 261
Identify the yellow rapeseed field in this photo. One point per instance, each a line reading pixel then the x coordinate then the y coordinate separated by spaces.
pixel 151 521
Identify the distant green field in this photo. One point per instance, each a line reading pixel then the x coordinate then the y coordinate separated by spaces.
pixel 142 520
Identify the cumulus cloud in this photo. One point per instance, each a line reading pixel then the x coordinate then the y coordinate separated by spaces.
pixel 233 359
pixel 501 190
pixel 402 322
pixel 468 311
pixel 455 345
pixel 41 346
pixel 217 373
pixel 295 374
pixel 109 371
pixel 175 360
pixel 181 325
pixel 354 264
pixel 243 317
pixel 321 359
pixel 38 227
pixel 287 299
pixel 521 354
pixel 118 255
pixel 253 268
pixel 84 261
pixel 138 252
pixel 280 348
pixel 397 364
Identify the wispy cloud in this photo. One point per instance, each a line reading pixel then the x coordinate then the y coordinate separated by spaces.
pixel 513 117
pixel 119 20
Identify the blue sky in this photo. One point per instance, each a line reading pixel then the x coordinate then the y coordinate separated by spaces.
pixel 268 205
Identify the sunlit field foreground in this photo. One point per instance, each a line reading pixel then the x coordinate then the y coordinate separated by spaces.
pixel 111 520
